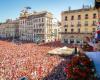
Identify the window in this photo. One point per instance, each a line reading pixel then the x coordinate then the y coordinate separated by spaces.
pixel 86 23
pixel 79 17
pixel 94 15
pixel 27 23
pixel 72 30
pixel 72 18
pixel 86 30
pixel 42 24
pixel 23 22
pixel 78 30
pixel 71 40
pixel 72 25
pixel 77 41
pixel 94 23
pixel 42 19
pixel 94 29
pixel 65 30
pixel 65 25
pixel 39 20
pixel 34 25
pixel 86 16
pixel 65 18
pixel 65 40
pixel 79 24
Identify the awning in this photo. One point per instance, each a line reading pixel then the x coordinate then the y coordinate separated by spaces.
pixel 62 51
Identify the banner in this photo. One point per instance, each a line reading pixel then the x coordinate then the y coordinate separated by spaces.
pixel 97 4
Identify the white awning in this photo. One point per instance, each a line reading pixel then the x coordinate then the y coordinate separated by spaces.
pixel 62 51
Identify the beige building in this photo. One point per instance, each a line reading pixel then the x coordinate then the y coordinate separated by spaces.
pixel 9 29
pixel 78 24
pixel 37 26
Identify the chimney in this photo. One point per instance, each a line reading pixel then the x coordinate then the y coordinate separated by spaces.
pixel 69 8
pixel 90 7
pixel 83 6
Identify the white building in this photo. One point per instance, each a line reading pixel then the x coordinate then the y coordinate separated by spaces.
pixel 37 26
pixel 56 26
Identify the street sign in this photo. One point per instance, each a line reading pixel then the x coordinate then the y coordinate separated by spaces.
pixel 97 4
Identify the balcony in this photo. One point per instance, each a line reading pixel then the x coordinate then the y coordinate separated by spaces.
pixel 72 25
pixel 94 25
pixel 78 25
pixel 85 24
pixel 75 32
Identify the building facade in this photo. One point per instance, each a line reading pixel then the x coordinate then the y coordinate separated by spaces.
pixel 56 26
pixel 9 29
pixel 37 26
pixel 78 24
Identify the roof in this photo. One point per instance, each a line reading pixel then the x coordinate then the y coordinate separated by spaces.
pixel 78 10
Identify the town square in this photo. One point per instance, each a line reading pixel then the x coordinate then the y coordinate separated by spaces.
pixel 44 42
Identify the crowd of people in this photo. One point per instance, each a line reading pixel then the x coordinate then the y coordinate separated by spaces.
pixel 29 60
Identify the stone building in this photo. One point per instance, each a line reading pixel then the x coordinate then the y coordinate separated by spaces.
pixel 78 24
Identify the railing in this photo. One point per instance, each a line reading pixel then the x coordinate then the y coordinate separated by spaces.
pixel 75 32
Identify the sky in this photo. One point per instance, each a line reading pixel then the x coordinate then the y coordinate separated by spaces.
pixel 10 9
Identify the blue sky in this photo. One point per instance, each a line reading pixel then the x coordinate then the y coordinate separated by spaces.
pixel 11 8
